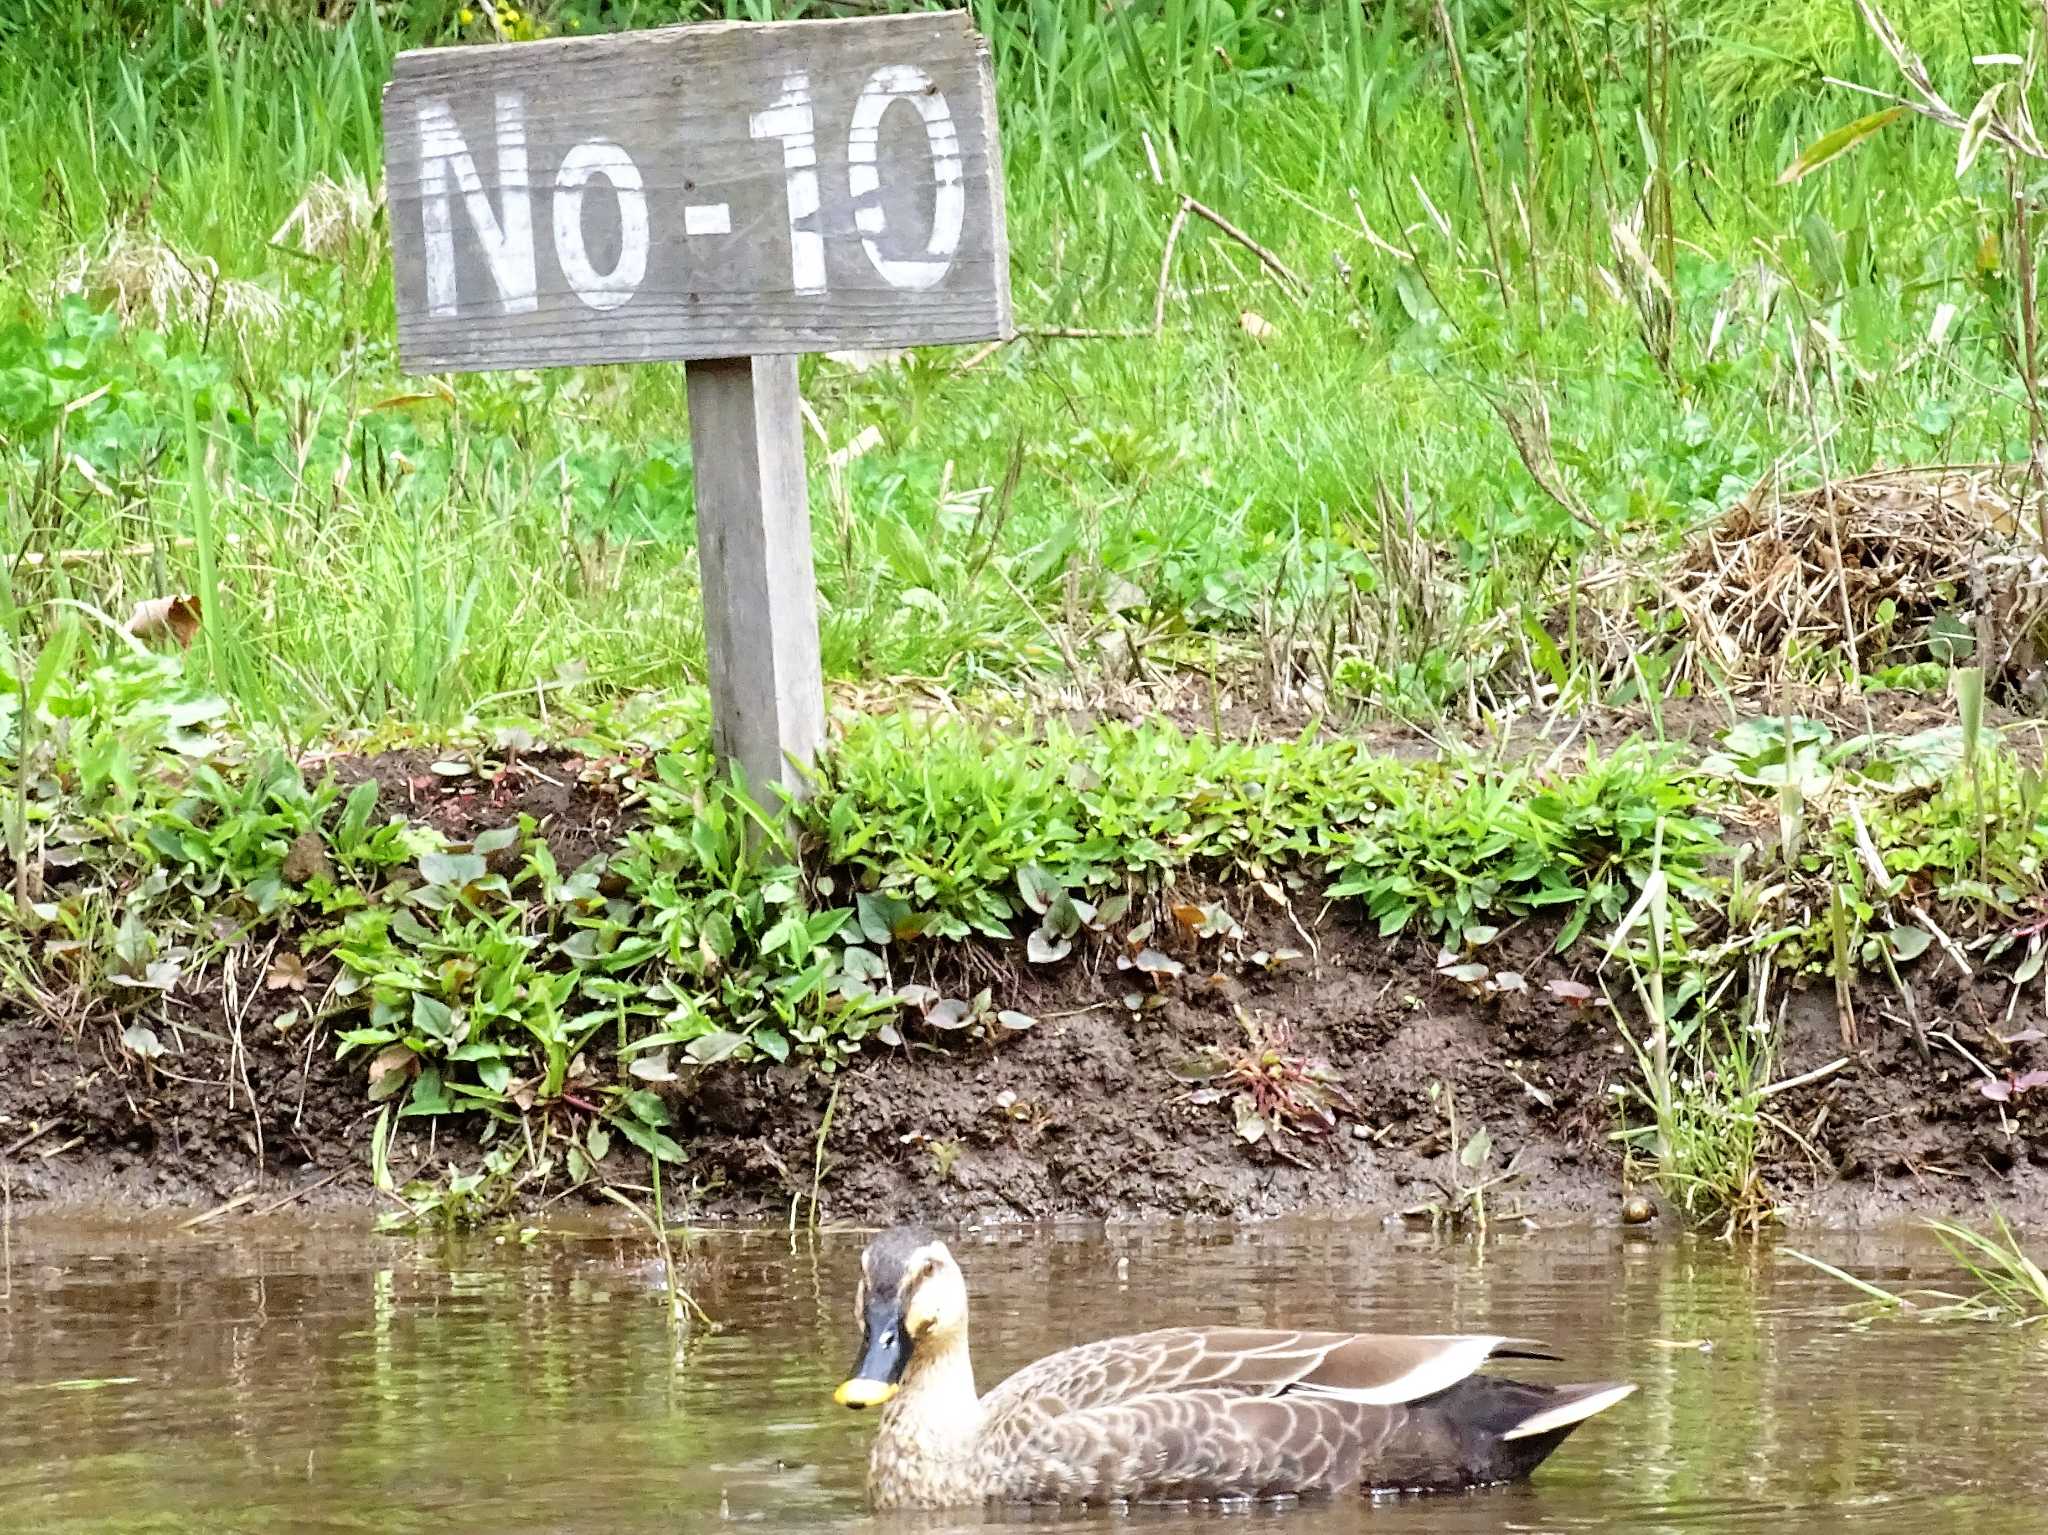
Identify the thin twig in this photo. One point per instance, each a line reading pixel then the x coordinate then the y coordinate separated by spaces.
pixel 982 354
pixel 217 1211
pixel 34 1135
pixel 1080 333
pixel 1531 439
pixel 36 559
pixel 1006 496
pixel 1805 1078
pixel 296 1195
pixel 1372 237
pixel 1833 515
pixel 1948 944
pixel 1284 274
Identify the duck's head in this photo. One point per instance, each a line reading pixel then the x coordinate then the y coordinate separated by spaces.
pixel 912 1300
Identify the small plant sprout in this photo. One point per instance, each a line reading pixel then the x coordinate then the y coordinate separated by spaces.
pixel 1272 1091
pixel 1471 1178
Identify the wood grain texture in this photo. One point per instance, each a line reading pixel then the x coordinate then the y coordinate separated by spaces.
pixel 760 591
pixel 714 253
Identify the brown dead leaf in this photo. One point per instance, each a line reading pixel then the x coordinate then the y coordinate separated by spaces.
pixel 287 973
pixel 1189 917
pixel 176 616
pixel 391 1060
pixel 307 860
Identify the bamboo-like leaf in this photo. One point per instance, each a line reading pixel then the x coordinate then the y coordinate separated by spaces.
pixel 1883 1297
pixel 1833 145
pixel 1978 128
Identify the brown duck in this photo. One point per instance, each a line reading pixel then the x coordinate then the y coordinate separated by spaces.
pixel 1185 1414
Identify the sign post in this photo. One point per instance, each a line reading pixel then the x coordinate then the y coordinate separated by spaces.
pixel 727 195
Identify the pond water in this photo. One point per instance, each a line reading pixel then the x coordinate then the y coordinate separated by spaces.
pixel 287 1379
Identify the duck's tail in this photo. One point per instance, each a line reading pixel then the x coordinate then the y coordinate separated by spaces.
pixel 1482 1431
pixel 1507 1428
pixel 1568 1407
pixel 1528 1423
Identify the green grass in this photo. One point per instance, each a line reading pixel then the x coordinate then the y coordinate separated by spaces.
pixel 369 545
pixel 2010 1284
pixel 483 978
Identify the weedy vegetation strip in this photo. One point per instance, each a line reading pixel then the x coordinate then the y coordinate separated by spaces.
pixel 167 860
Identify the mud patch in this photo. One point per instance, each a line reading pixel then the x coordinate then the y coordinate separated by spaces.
pixel 575 801
pixel 237 1106
pixel 1086 1115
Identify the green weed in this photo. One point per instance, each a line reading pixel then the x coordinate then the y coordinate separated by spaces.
pixel 2011 1286
pixel 1272 1091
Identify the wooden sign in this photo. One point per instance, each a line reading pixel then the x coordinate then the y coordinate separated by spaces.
pixel 721 190
pixel 727 195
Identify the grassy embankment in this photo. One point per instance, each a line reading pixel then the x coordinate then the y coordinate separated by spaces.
pixel 1548 309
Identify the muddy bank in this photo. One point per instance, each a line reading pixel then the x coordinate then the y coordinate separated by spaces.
pixel 1092 1113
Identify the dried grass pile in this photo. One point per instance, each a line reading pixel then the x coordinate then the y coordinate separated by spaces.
pixel 148 282
pixel 1893 565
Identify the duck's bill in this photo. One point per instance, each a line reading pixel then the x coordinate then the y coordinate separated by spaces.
pixel 884 1354
pixel 864 1393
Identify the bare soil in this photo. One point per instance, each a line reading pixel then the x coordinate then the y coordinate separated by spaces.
pixel 1084 1115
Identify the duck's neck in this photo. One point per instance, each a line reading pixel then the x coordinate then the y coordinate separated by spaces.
pixel 924 1451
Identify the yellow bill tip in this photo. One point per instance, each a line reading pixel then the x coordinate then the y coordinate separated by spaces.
pixel 863 1393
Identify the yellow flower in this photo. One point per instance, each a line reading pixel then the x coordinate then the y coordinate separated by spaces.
pixel 465 16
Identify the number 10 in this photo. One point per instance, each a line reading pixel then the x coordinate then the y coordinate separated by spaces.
pixel 790 119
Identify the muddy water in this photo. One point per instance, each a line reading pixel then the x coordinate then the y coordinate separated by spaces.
pixel 305 1379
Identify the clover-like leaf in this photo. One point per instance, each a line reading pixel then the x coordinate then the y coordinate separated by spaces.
pixel 1044 948
pixel 950 1013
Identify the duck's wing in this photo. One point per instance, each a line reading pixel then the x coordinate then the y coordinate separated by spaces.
pixel 1239 1413
pixel 1211 1444
pixel 1381 1368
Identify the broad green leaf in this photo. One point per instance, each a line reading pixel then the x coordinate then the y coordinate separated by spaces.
pixel 495 841
pixel 650 1140
pixel 708 1049
pixel 454 869
pixel 1477 1150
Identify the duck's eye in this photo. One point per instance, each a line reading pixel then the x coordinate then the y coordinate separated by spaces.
pixel 889 1338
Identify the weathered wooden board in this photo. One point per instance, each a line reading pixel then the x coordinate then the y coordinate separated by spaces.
pixel 760 590
pixel 690 192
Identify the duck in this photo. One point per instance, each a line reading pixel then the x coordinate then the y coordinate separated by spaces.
pixel 1183 1414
